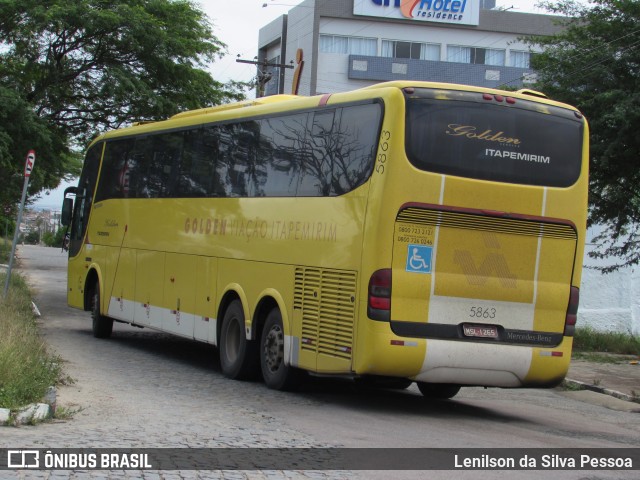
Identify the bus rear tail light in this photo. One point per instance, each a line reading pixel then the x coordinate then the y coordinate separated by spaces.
pixel 572 312
pixel 498 98
pixel 379 304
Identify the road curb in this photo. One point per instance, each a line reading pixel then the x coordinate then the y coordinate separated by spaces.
pixel 32 413
pixel 606 391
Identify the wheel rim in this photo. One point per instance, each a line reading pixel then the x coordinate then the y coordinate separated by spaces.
pixel 232 340
pixel 274 348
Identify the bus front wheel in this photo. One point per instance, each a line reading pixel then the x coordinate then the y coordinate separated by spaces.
pixel 238 356
pixel 440 391
pixel 277 375
pixel 102 326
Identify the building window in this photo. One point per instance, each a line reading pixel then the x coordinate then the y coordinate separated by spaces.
pixel 418 51
pixel 493 56
pixel 519 59
pixel 348 45
pixel 480 56
pixel 458 54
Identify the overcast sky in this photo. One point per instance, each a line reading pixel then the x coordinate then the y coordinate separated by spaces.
pixel 236 23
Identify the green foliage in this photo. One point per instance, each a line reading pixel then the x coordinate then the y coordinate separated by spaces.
pixel 571 386
pixel 26 368
pixel 589 340
pixel 91 65
pixel 54 240
pixel 21 129
pixel 32 238
pixel 594 64
pixel 47 239
pixel 5 251
pixel 72 69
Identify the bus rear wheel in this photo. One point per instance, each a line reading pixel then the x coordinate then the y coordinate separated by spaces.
pixel 277 375
pixel 238 356
pixel 440 391
pixel 101 326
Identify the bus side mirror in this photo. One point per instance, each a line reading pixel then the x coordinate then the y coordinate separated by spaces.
pixel 67 206
pixel 67 212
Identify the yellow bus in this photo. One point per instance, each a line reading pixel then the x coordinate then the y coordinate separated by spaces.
pixel 407 231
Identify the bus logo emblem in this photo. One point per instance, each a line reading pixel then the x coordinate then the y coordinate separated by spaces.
pixel 419 258
pixel 493 266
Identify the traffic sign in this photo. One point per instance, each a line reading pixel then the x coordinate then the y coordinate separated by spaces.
pixel 28 168
pixel 31 160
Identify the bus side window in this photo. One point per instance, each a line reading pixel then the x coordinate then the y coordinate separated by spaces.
pixel 197 165
pixel 236 167
pixel 163 155
pixel 315 157
pixel 247 170
pixel 222 179
pixel 137 169
pixel 355 146
pixel 281 140
pixel 114 174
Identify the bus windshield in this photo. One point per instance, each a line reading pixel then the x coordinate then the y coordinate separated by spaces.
pixel 476 136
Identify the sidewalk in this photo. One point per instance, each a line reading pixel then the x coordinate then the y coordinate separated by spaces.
pixel 620 380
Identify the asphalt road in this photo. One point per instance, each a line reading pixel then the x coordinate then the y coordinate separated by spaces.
pixel 147 389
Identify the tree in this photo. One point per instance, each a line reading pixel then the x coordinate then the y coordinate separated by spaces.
pixel 76 68
pixel 594 64
pixel 21 130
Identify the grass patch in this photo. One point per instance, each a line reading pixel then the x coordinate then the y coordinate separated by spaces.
pixel 589 340
pixel 570 386
pixel 65 413
pixel 5 251
pixel 599 357
pixel 26 367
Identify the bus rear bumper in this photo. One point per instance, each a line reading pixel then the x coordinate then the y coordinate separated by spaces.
pixel 463 362
pixel 494 365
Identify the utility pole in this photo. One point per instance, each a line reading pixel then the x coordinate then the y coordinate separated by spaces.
pixel 28 168
pixel 263 75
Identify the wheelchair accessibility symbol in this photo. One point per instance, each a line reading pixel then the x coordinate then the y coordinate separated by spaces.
pixel 419 259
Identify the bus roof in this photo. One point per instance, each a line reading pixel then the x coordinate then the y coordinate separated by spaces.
pixel 231 106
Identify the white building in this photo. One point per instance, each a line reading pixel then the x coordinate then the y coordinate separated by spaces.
pixel 349 44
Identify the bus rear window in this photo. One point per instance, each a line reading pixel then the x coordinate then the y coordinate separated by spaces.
pixel 460 133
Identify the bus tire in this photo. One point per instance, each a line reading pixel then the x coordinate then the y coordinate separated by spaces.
pixel 102 326
pixel 276 374
pixel 238 356
pixel 440 391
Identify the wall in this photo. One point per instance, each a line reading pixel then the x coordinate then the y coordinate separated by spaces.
pixel 334 74
pixel 302 24
pixel 609 302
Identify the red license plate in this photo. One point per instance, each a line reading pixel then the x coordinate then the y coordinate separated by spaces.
pixel 482 331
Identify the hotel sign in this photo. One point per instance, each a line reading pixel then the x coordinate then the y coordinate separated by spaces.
pixel 460 12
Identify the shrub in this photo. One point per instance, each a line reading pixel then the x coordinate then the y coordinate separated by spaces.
pixel 26 367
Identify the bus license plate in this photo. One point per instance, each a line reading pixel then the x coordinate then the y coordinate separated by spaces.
pixel 482 331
